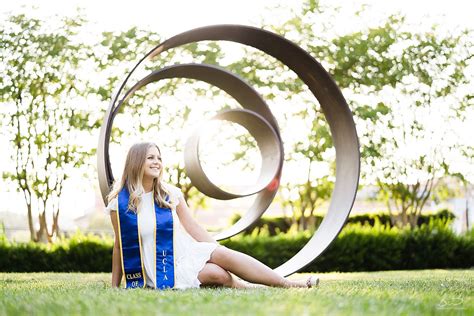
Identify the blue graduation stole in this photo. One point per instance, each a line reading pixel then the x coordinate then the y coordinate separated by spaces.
pixel 130 245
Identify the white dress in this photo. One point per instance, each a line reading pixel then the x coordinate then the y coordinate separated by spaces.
pixel 190 255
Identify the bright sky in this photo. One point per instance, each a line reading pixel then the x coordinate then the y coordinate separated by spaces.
pixel 171 17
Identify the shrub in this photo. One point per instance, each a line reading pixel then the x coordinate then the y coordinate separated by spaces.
pixel 80 253
pixel 357 248
pixel 369 248
pixel 277 225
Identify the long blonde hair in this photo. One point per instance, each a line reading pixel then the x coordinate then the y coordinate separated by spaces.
pixel 133 175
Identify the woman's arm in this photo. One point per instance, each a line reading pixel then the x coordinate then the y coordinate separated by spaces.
pixel 116 254
pixel 190 224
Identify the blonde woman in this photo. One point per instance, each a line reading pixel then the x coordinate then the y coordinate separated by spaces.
pixel 159 245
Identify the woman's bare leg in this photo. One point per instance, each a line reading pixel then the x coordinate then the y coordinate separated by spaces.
pixel 213 274
pixel 250 269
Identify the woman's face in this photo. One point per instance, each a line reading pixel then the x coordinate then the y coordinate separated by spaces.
pixel 153 163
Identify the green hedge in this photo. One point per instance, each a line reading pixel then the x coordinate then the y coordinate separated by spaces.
pixel 277 225
pixel 357 248
pixel 79 253
pixel 369 248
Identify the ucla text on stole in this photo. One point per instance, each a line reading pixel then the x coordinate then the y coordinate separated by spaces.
pixel 138 275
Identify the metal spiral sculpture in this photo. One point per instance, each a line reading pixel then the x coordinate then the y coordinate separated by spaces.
pixel 256 117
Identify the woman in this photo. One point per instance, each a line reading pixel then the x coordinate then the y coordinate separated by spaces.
pixel 158 244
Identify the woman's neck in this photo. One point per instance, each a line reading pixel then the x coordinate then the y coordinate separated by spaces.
pixel 147 184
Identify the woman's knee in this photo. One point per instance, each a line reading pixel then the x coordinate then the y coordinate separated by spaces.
pixel 213 274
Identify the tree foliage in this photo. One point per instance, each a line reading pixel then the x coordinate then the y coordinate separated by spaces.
pixel 408 91
pixel 40 88
pixel 403 86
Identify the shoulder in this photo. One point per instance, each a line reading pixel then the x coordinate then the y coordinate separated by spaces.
pixel 175 194
pixel 172 190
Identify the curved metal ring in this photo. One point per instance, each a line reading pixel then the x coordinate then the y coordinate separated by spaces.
pixel 267 141
pixel 334 107
pixel 235 87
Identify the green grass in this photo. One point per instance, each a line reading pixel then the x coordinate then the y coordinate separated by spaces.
pixel 427 292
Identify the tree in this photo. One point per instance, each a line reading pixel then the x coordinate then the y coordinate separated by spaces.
pixel 426 106
pixel 398 83
pixel 314 155
pixel 41 87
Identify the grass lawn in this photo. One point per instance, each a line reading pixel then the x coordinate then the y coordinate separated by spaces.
pixel 424 292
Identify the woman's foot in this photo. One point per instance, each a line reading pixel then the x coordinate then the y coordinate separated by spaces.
pixel 312 281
